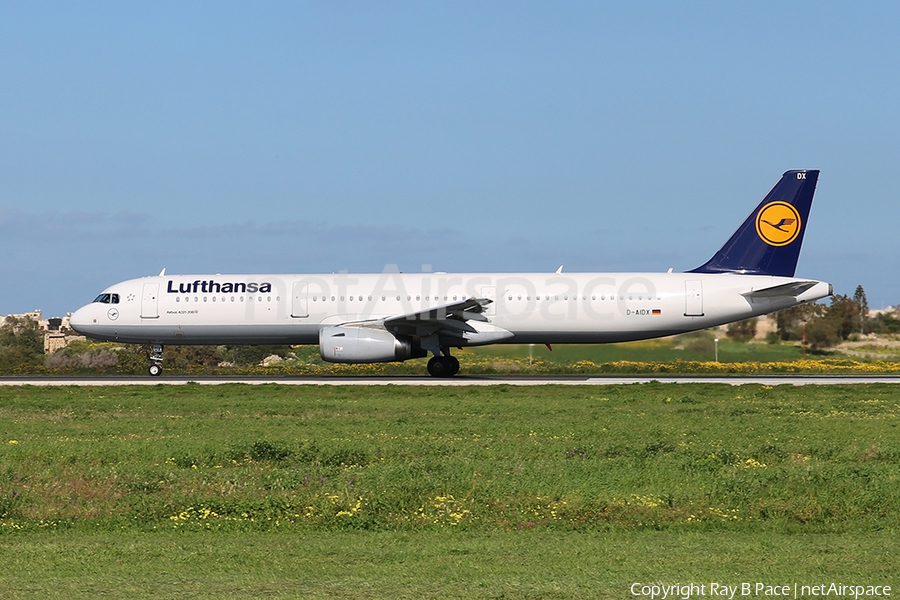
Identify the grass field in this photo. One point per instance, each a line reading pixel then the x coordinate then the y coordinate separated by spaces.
pixel 541 492
pixel 696 347
pixel 692 353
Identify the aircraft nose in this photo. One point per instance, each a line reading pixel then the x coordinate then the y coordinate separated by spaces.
pixel 80 320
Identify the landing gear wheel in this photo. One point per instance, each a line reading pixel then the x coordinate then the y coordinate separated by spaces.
pixel 156 358
pixel 443 366
pixel 437 367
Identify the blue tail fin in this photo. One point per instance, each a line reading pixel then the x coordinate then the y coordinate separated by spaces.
pixel 768 243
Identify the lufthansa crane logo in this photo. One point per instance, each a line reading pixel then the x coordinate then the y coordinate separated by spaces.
pixel 778 223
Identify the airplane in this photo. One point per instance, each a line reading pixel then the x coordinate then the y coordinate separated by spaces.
pixel 394 316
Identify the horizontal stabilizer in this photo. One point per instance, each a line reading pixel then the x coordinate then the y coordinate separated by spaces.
pixel 790 290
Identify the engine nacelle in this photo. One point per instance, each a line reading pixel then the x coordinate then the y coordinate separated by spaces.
pixel 351 344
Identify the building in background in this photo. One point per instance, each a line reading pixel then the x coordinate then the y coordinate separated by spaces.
pixel 57 332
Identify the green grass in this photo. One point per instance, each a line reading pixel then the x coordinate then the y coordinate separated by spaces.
pixel 527 565
pixel 698 347
pixel 503 491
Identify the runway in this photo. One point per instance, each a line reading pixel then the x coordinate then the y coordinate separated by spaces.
pixel 471 380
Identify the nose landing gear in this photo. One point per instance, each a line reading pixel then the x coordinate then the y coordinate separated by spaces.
pixel 156 358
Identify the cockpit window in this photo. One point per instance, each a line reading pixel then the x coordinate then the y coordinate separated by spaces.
pixel 104 298
pixel 114 298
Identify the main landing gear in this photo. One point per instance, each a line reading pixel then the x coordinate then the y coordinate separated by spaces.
pixel 443 366
pixel 156 359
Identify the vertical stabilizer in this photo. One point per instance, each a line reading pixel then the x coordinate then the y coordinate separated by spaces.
pixel 768 243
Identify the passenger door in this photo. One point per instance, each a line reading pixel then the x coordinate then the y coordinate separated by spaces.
pixel 149 303
pixel 300 300
pixel 693 298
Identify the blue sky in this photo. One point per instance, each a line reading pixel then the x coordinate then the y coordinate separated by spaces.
pixel 472 136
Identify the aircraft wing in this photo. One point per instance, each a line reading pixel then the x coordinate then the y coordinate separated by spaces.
pixel 464 310
pixel 792 289
pixel 457 323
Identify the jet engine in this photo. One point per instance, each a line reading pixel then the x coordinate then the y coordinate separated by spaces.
pixel 360 344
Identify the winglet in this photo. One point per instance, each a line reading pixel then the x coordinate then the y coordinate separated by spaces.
pixel 768 243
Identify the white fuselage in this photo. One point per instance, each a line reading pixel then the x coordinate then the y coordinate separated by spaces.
pixel 533 307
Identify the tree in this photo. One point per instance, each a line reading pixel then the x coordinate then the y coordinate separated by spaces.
pixel 844 312
pixel 22 332
pixel 833 324
pixel 822 333
pixel 859 296
pixel 21 343
pixel 884 323
pixel 790 321
pixel 742 331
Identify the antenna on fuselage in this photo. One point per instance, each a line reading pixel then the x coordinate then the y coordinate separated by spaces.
pixel 161 273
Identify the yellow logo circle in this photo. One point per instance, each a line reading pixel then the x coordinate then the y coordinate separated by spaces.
pixel 778 223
